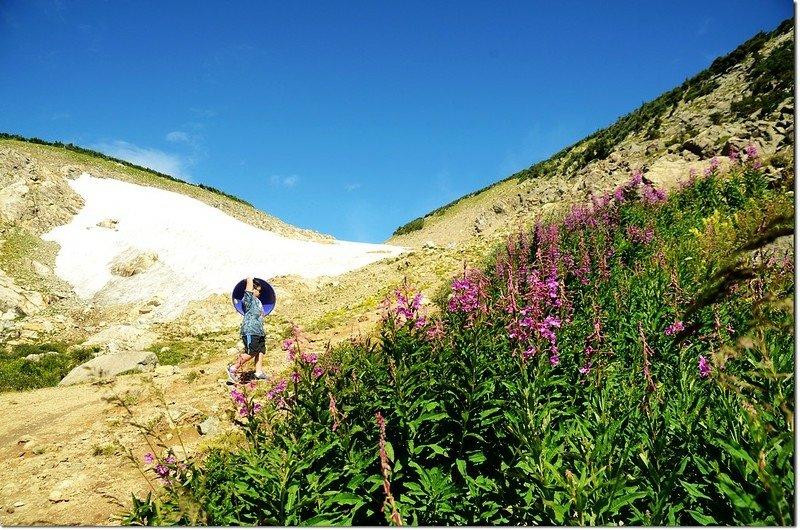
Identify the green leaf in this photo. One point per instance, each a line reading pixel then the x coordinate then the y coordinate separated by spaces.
pixel 739 499
pixel 624 500
pixel 488 412
pixel 346 498
pixel 703 519
pixel 462 467
pixel 694 490
pixel 476 458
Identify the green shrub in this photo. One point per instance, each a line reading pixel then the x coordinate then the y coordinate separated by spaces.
pixel 18 373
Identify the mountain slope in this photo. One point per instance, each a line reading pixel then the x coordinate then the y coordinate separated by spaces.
pixel 69 444
pixel 746 97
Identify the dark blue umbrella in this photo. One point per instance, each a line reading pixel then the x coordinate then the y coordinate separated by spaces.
pixel 267 296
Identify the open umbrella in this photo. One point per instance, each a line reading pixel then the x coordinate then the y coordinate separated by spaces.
pixel 267 296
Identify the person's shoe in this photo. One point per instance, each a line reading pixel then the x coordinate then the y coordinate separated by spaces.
pixel 231 374
pixel 261 376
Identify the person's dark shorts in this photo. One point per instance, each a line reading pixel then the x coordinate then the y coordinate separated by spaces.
pixel 256 344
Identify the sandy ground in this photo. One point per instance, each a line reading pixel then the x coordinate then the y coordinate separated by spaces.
pixel 200 250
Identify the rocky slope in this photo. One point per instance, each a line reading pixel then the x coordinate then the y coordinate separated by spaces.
pixel 69 452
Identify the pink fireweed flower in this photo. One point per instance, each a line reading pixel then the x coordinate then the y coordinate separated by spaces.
pixel 586 368
pixel 238 397
pixel 674 328
pixel 295 377
pixel 653 196
pixel 465 296
pixel 309 358
pixel 403 306
pixel 703 367
pixel 528 353
pixel 149 458
pixel 684 184
pixel 733 155
pixel 635 180
pixel 554 360
pixel 642 236
pixel 277 390
pixel 712 168
pixel 752 156
pixel 436 331
pixel 317 371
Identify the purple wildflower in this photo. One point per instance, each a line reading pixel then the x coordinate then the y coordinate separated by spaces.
pixel 704 367
pixel 653 196
pixel 149 458
pixel 674 328
pixel 586 368
pixel 712 168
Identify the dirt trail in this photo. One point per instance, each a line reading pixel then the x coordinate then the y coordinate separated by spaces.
pixel 65 449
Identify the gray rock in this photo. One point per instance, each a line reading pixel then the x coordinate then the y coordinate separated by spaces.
pixel 210 426
pixel 108 366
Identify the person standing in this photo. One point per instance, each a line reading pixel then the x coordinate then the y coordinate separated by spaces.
pixel 251 331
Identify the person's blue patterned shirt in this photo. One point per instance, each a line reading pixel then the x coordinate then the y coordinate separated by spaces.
pixel 253 321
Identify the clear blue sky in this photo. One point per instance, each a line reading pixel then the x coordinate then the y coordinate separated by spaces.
pixel 349 117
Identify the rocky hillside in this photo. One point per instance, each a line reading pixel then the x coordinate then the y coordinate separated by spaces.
pixel 744 98
pixel 69 444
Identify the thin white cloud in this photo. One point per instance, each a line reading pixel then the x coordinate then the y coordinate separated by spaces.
pixel 177 137
pixel 352 187
pixel 280 181
pixel 167 163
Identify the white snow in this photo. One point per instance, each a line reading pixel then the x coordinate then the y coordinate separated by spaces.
pixel 201 250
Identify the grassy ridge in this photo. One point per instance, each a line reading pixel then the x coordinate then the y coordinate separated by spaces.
pixel 101 156
pixel 631 364
pixel 771 80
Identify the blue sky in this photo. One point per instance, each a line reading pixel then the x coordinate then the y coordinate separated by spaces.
pixel 349 117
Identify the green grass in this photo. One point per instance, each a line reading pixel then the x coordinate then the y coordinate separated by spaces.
pixel 18 374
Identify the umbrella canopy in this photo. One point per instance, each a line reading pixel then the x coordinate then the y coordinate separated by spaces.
pixel 267 296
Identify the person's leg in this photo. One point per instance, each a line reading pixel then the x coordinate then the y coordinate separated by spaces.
pixel 240 359
pixel 259 348
pixel 243 358
pixel 259 363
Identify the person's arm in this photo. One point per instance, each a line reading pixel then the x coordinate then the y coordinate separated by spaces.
pixel 249 285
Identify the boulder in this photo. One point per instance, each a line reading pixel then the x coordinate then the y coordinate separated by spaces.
pixel 13 202
pixel 107 366
pixel 132 262
pixel 16 301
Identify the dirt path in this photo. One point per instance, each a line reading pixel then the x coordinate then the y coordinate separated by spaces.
pixel 65 449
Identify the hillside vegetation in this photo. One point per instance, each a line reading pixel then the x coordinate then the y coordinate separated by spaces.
pixel 722 107
pixel 603 338
pixel 632 364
